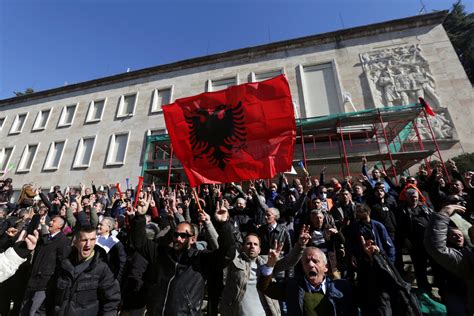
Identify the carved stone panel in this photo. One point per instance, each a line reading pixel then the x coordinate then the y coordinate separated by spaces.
pixel 441 125
pixel 398 76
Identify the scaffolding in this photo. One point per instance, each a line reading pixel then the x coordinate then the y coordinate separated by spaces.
pixel 392 138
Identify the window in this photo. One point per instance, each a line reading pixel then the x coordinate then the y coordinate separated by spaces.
pixel 261 76
pixel 221 84
pixel 2 122
pixel 27 158
pixel 160 131
pixel 320 93
pixel 55 154
pixel 18 123
pixel 67 115
pixel 41 120
pixel 117 149
pixel 127 105
pixel 96 110
pixel 5 155
pixel 84 151
pixel 159 98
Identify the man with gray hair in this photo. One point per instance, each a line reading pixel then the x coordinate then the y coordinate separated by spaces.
pixel 313 293
pixel 415 218
pixel 112 250
pixel 273 232
pixel 53 246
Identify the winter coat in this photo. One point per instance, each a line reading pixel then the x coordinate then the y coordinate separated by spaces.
pixel 292 291
pixel 238 273
pixel 93 292
pixel 457 262
pixel 180 279
pixel 48 253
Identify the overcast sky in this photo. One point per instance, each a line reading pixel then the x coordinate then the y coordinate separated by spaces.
pixel 46 44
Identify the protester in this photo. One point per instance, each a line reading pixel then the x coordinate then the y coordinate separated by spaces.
pixel 52 248
pixel 313 293
pixel 182 270
pixel 456 261
pixel 83 284
pixel 240 295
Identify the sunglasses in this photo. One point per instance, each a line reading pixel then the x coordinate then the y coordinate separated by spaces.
pixel 182 235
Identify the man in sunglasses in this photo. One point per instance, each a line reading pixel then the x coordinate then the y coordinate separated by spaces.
pixel 181 270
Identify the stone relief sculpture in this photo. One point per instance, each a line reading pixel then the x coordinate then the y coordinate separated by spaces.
pixel 398 76
pixel 440 124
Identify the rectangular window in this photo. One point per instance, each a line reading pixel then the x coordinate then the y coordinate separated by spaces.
pixel 85 148
pixel 261 76
pixel 2 122
pixel 127 105
pixel 55 154
pixel 221 84
pixel 117 149
pixel 18 123
pixel 41 120
pixel 96 110
pixel 320 90
pixel 5 155
pixel 67 115
pixel 159 98
pixel 160 131
pixel 27 158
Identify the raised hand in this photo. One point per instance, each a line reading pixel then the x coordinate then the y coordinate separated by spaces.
pixel 30 240
pixel 131 211
pixel 274 253
pixel 143 204
pixel 451 209
pixel 305 236
pixel 204 217
pixel 222 214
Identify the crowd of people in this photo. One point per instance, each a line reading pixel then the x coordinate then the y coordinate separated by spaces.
pixel 305 246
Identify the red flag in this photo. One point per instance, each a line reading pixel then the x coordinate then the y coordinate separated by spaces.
pixel 426 106
pixel 244 132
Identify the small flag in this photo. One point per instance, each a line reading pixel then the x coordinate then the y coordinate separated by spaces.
pixel 426 106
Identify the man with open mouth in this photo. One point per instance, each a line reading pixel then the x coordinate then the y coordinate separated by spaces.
pixel 313 293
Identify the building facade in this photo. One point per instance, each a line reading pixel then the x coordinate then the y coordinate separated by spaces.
pixel 97 130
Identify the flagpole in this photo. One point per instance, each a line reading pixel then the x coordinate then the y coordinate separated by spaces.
pixel 169 166
pixel 197 201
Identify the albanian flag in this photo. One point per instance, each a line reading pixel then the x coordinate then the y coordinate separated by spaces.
pixel 427 107
pixel 244 132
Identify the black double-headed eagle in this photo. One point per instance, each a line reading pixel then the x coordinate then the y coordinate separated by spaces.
pixel 216 133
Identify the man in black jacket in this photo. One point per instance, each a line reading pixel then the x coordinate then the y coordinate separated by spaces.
pixel 181 270
pixel 83 284
pixel 52 248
